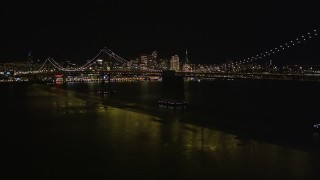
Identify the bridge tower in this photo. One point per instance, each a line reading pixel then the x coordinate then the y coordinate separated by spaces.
pixel 106 84
pixel 30 61
pixel 172 89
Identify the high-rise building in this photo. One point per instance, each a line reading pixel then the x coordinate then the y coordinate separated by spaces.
pixel 143 60
pixel 147 60
pixel 186 67
pixel 164 64
pixel 153 63
pixel 174 63
pixel 154 55
pixel 187 60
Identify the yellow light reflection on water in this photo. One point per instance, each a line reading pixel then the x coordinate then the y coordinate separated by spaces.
pixel 138 139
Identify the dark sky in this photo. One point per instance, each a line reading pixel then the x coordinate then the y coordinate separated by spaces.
pixel 212 31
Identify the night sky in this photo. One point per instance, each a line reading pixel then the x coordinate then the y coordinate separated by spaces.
pixel 212 31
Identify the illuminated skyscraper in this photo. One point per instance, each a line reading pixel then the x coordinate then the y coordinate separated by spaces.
pixel 154 55
pixel 174 63
pixel 143 60
pixel 186 67
pixel 187 60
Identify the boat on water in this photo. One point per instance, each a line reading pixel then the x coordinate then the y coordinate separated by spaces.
pixel 173 103
pixel 316 127
pixel 106 92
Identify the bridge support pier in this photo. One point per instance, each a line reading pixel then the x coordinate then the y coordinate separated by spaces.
pixel 106 85
pixel 172 90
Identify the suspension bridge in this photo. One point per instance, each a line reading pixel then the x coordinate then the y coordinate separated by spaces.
pixel 123 67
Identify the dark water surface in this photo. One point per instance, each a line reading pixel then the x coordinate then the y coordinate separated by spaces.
pixel 229 131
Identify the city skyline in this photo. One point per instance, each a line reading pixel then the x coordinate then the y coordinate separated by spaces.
pixel 212 33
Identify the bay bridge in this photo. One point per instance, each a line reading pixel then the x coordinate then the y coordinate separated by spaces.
pixel 230 70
